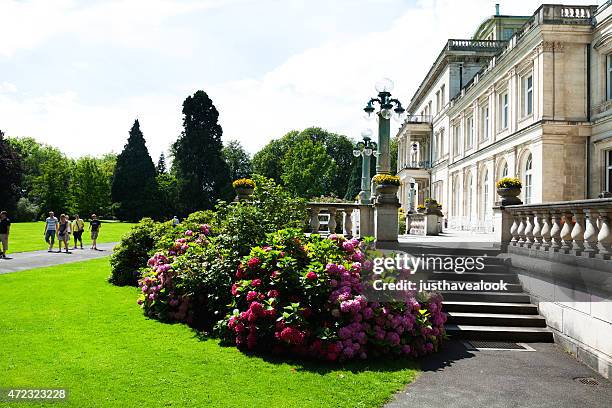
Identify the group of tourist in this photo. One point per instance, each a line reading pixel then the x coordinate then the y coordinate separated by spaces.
pixel 61 229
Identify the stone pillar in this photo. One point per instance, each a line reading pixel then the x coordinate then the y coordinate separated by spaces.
pixel 366 221
pixel 502 223
pixel 347 222
pixel 386 208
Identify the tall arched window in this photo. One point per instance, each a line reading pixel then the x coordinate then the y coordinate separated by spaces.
pixel 485 193
pixel 456 201
pixel 504 171
pixel 468 196
pixel 528 179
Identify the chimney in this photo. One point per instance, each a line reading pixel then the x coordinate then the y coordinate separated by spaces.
pixel 497 9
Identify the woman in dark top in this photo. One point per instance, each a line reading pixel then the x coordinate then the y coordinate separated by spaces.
pixel 63 233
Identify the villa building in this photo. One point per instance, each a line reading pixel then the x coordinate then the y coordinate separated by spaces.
pixel 526 96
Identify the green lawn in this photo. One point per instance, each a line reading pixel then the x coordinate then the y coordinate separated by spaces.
pixel 65 326
pixel 28 236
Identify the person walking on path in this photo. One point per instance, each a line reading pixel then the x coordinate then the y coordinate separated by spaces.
pixel 63 233
pixel 175 221
pixel 94 225
pixel 78 226
pixel 5 229
pixel 51 225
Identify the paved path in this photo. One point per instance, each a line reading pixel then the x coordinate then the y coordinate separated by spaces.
pixel 459 378
pixel 20 261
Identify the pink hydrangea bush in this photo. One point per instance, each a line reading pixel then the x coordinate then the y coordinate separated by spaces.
pixel 169 290
pixel 304 295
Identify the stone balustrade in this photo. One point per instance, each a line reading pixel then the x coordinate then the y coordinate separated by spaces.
pixel 577 228
pixel 355 219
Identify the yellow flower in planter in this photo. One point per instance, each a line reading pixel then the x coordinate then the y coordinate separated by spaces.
pixel 386 179
pixel 243 183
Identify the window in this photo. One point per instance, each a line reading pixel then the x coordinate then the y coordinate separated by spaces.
pixel 484 120
pixel 608 186
pixel 528 178
pixel 469 132
pixel 609 77
pixel 441 144
pixel 429 112
pixel 507 33
pixel 485 194
pixel 442 95
pixel 528 95
pixel 437 102
pixel 504 171
pixel 456 139
pixel 468 196
pixel 503 102
pixel 456 199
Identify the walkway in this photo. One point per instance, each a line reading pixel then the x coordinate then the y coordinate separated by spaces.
pixel 20 261
pixel 459 378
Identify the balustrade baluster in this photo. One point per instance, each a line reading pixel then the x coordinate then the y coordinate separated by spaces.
pixel 546 228
pixel 529 239
pixel 566 232
pixel 555 231
pixel 314 220
pixel 578 234
pixel 347 222
pixel 590 233
pixel 604 237
pixel 332 220
pixel 537 230
pixel 521 229
pixel 514 230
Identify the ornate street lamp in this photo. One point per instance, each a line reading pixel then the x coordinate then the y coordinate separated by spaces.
pixel 365 149
pixel 387 107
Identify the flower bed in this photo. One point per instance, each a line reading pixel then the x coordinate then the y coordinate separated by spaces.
pixel 303 295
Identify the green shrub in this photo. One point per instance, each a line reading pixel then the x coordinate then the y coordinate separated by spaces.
pixel 132 253
pixel 509 182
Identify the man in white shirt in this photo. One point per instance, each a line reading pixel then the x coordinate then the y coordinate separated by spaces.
pixel 50 230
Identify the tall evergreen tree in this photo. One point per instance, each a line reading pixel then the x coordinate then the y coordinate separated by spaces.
pixel 202 174
pixel 133 190
pixel 11 172
pixel 161 164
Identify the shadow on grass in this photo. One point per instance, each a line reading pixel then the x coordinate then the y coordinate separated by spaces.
pixel 309 364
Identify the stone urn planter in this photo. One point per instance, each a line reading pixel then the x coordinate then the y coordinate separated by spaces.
pixel 386 189
pixel 244 189
pixel 421 210
pixel 509 195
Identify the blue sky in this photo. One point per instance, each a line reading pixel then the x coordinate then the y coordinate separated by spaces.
pixel 75 74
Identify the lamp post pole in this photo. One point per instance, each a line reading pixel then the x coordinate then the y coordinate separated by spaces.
pixel 388 107
pixel 365 149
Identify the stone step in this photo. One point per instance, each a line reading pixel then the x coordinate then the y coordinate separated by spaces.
pixel 495 319
pixel 500 269
pixel 474 276
pixel 500 333
pixel 485 296
pixel 490 307
pixel 512 287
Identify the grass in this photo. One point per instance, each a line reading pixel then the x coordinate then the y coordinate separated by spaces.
pixel 28 236
pixel 66 327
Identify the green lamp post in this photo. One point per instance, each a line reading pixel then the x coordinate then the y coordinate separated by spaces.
pixel 388 107
pixel 365 149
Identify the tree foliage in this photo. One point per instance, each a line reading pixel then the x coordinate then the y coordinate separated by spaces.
pixel 90 187
pixel 202 174
pixel 11 172
pixel 133 189
pixel 238 160
pixel 272 161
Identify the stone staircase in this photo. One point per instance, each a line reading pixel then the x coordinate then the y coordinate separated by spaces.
pixel 497 316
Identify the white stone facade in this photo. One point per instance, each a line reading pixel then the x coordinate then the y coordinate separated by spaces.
pixel 536 106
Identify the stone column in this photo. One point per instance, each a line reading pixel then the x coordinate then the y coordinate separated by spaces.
pixel 604 237
pixel 502 224
pixel 590 233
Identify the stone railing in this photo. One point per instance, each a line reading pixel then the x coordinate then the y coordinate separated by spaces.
pixel 423 164
pixel 475 45
pixel 579 228
pixel 355 219
pixel 418 119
